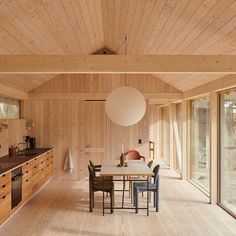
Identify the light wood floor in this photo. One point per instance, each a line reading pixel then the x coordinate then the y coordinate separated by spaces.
pixel 61 208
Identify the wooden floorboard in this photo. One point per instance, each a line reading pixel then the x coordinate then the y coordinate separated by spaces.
pixel 61 208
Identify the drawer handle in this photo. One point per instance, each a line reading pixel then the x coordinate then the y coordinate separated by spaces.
pixel 27 163
pixel 42 162
pixel 35 167
pixel 35 159
pixel 27 172
pixel 27 180
pixel 4 197
pixel 41 169
pixel 3 175
pixel 4 186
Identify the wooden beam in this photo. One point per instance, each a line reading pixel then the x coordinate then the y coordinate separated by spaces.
pixel 98 96
pixel 222 64
pixel 223 83
pixel 9 92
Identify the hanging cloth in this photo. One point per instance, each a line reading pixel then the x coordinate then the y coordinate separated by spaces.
pixel 68 165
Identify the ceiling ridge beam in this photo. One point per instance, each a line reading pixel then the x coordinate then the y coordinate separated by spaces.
pixel 167 64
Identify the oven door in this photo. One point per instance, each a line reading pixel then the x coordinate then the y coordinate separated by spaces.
pixel 16 190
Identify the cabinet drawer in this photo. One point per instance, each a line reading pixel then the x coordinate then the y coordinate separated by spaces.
pixel 26 167
pixel 27 189
pixel 5 178
pixel 4 189
pixel 42 164
pixel 35 161
pixel 35 169
pixel 27 174
pixel 5 207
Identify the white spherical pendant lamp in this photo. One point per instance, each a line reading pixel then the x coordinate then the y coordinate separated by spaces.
pixel 125 106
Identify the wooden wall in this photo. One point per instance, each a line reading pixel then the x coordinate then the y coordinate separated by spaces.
pixel 83 126
pixel 13 135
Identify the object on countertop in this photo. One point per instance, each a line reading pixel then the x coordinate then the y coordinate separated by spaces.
pixel 12 151
pixel 68 165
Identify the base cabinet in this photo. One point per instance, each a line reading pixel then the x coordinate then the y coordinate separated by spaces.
pixel 36 173
pixel 5 196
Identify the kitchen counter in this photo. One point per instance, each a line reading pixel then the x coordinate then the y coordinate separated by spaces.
pixel 10 162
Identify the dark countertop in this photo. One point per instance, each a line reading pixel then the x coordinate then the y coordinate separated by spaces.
pixel 11 162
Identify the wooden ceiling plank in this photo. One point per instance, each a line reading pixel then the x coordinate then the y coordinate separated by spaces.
pixel 136 25
pixel 12 93
pixel 180 25
pixel 223 83
pixel 219 18
pixel 228 28
pixel 118 64
pixel 164 16
pixel 80 27
pixel 170 24
pixel 26 25
pixel 195 17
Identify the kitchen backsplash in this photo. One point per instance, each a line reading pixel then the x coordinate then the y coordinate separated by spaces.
pixel 12 135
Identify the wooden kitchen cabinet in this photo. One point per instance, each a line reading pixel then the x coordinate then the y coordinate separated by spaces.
pixel 36 172
pixel 5 196
pixel 5 207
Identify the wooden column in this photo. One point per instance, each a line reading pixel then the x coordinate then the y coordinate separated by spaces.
pixel 214 150
pixel 172 110
pixel 185 140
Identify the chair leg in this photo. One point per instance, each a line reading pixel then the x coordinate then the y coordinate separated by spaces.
pixel 157 200
pixel 93 199
pixel 111 201
pixel 90 200
pixel 154 199
pixel 136 201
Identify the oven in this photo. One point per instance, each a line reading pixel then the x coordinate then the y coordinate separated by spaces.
pixel 16 187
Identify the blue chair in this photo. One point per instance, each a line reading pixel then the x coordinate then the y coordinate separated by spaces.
pixel 140 187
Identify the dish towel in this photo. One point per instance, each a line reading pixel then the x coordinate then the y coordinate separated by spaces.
pixel 68 165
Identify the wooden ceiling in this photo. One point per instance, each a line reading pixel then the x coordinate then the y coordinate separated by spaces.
pixel 85 26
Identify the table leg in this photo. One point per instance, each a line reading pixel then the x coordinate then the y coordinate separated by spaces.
pixel 147 195
pixel 123 193
pixel 103 204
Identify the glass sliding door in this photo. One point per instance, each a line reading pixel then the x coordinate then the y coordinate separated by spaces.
pixel 200 148
pixel 178 138
pixel 228 151
pixel 165 135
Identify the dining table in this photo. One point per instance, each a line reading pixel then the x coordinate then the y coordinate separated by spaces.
pixel 132 168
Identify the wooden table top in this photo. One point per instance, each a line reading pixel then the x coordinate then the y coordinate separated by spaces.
pixel 134 168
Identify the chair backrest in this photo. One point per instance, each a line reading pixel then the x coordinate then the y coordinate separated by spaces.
pixel 91 164
pixel 132 155
pixel 156 171
pixel 150 164
pixel 91 173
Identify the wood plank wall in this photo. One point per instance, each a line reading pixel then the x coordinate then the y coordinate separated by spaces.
pixel 83 126
pixel 13 135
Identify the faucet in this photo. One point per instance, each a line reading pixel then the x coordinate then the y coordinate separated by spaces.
pixel 18 149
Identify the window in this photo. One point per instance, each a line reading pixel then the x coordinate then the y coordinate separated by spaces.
pixel 200 150
pixel 165 135
pixel 228 151
pixel 9 109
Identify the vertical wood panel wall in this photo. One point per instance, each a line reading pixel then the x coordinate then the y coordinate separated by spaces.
pixel 13 135
pixel 83 126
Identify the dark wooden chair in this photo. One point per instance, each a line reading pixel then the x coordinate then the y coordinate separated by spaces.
pixel 140 187
pixel 95 186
